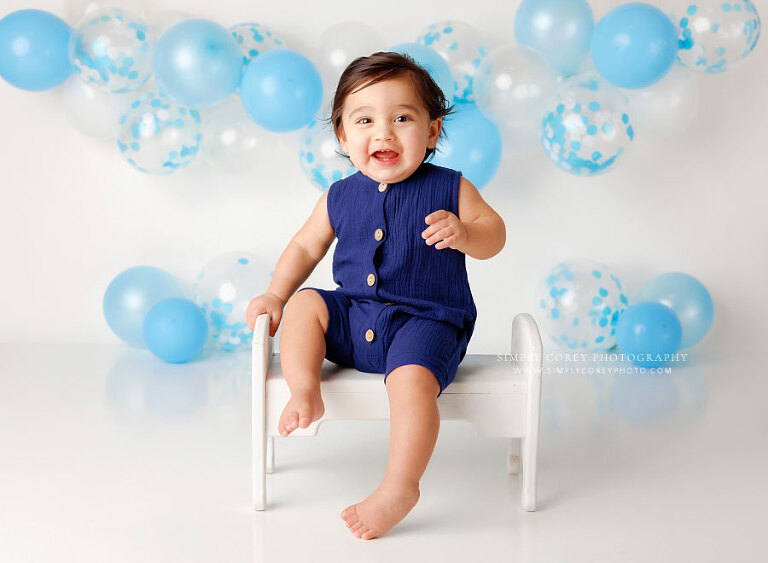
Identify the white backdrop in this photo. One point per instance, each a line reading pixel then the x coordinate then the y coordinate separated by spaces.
pixel 73 214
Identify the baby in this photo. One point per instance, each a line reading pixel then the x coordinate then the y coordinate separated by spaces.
pixel 403 306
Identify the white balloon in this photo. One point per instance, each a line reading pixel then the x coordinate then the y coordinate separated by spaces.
pixel 234 143
pixel 338 46
pixel 78 9
pixel 668 106
pixel 94 113
pixel 513 85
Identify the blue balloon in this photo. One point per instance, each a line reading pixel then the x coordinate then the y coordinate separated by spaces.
pixel 559 29
pixel 634 45
pixel 281 90
pixel 175 330
pixel 34 50
pixel 131 295
pixel 432 62
pixel 472 145
pixel 198 62
pixel 687 297
pixel 651 332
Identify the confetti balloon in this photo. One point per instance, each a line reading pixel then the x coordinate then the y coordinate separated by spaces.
pixel 587 127
pixel 319 155
pixel 581 302
pixel 463 47
pixel 223 290
pixel 256 38
pixel 111 50
pixel 157 135
pixel 714 34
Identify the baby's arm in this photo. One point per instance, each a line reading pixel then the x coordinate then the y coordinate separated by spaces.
pixel 298 260
pixel 478 231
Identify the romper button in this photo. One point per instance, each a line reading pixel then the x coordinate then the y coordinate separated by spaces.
pixel 369 335
pixel 382 187
pixel 371 279
pixel 379 234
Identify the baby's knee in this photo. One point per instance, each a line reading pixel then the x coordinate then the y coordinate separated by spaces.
pixel 413 378
pixel 307 303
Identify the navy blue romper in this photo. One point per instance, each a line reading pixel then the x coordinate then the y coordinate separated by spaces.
pixel 398 301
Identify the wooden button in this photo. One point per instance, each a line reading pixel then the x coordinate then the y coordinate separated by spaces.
pixel 382 187
pixel 369 335
pixel 371 279
pixel 379 234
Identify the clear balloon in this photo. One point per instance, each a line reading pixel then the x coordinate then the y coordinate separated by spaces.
pixel 514 85
pixel 233 143
pixel 649 333
pixel 94 113
pixel 463 47
pixel 667 107
pixel 580 302
pixel 33 50
pixel 111 50
pixel 198 63
pixel 430 60
pixel 338 46
pixel 157 135
pixel 223 290
pixel 319 158
pixel 175 330
pixel 634 45
pixel 687 297
pixel 255 39
pixel 715 35
pixel 587 128
pixel 560 29
pixel 472 145
pixel 131 295
pixel 281 90
pixel 78 9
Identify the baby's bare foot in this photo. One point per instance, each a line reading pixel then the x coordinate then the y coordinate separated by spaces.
pixel 384 508
pixel 303 408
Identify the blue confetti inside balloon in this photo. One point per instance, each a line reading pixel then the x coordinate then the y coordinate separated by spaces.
pixel 714 35
pixel 319 158
pixel 463 47
pixel 111 50
pixel 223 290
pixel 587 127
pixel 580 302
pixel 255 39
pixel 157 135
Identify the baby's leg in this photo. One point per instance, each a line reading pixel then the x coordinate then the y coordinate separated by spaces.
pixel 302 350
pixel 414 422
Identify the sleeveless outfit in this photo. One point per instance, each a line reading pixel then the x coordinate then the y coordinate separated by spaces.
pixel 398 301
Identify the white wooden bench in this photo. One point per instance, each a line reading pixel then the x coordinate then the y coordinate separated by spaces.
pixel 499 394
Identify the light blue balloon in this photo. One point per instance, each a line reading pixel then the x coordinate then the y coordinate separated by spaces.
pixel 432 62
pixel 198 62
pixel 650 332
pixel 559 29
pixel 634 45
pixel 175 330
pixel 687 297
pixel 472 145
pixel 33 50
pixel 281 90
pixel 131 295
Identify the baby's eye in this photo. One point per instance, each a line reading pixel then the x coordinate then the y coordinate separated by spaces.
pixel 404 116
pixel 362 119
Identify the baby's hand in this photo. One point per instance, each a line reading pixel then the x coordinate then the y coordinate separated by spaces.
pixel 266 303
pixel 446 229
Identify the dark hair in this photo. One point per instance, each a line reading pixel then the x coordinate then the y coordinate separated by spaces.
pixel 383 65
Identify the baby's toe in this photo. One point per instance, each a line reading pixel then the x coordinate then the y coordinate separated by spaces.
pixel 349 515
pixel 355 527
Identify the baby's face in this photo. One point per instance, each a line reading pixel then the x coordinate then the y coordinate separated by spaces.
pixel 387 116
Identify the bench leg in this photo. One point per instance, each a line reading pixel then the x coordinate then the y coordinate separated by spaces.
pixel 529 448
pixel 270 454
pixel 513 456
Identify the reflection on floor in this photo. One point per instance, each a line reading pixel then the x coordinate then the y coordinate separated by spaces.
pixel 108 454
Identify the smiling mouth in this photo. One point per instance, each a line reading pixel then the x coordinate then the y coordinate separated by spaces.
pixel 386 156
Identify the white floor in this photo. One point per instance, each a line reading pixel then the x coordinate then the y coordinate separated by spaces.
pixel 109 455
